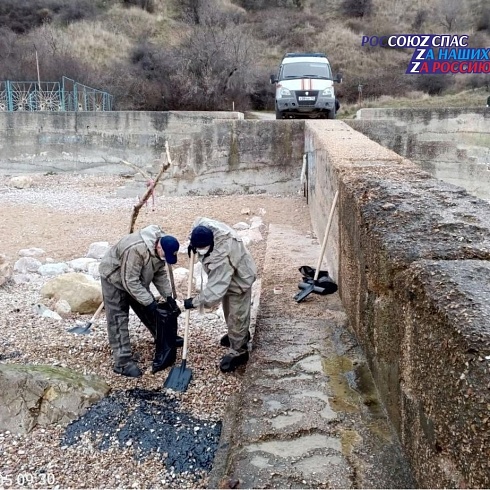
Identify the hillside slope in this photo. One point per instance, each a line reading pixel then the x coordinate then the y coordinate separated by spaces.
pixel 216 54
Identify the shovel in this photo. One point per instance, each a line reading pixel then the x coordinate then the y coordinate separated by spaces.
pixel 85 329
pixel 180 376
pixel 172 282
pixel 309 287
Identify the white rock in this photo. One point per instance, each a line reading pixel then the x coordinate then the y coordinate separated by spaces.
pixel 63 308
pixel 53 269
pixel 245 211
pixel 51 314
pixel 45 312
pixel 250 236
pixel 81 264
pixel 27 264
pixel 199 276
pixel 31 252
pixel 246 240
pixel 97 250
pixel 261 211
pixel 21 181
pixel 49 260
pixel 241 226
pixel 181 277
pixel 21 278
pixel 5 269
pixel 256 222
pixel 93 269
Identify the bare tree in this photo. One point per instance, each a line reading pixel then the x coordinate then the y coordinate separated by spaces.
pixel 357 8
pixel 450 11
pixel 216 63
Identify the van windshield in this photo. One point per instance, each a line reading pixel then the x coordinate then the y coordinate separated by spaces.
pixel 306 70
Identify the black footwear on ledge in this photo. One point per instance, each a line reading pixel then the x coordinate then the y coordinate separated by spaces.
pixel 179 342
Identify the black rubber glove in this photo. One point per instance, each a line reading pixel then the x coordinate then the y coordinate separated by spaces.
pixel 189 248
pixel 152 307
pixel 188 304
pixel 172 303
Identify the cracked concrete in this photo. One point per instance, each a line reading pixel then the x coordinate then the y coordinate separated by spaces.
pixel 308 415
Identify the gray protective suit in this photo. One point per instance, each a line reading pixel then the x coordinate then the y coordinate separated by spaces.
pixel 127 270
pixel 231 272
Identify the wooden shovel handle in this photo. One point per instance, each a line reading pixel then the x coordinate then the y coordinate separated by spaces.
pixel 188 312
pixel 325 238
pixel 172 281
pixel 97 313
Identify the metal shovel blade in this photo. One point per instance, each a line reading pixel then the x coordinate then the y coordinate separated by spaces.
pixel 301 296
pixel 81 329
pixel 316 289
pixel 178 378
pixel 85 329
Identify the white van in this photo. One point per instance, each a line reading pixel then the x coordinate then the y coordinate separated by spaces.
pixel 304 86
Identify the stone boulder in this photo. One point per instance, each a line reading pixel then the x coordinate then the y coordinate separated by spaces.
pixel 181 277
pixel 31 252
pixel 200 277
pixel 26 265
pixel 5 270
pixel 81 264
pixel 33 396
pixel 21 181
pixel 97 250
pixel 93 269
pixel 82 292
pixel 53 269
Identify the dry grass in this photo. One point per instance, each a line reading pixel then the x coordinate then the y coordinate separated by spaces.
pixel 468 98
pixel 97 43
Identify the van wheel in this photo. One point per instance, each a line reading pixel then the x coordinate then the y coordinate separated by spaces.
pixel 279 114
pixel 331 114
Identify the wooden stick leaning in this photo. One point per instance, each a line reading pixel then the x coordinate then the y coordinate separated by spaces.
pixel 150 190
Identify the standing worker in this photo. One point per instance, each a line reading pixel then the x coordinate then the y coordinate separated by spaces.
pixel 231 272
pixel 127 270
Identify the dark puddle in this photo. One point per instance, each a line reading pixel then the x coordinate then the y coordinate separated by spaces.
pixel 150 422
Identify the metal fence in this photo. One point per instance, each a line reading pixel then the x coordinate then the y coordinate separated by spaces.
pixel 53 96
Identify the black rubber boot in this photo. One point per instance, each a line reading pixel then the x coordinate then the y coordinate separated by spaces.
pixel 129 369
pixel 179 341
pixel 231 361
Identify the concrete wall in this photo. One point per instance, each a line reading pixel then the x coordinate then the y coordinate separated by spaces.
pixel 413 271
pixel 410 253
pixel 451 144
pixel 211 152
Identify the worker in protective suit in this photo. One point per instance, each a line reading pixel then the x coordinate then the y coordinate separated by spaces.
pixel 231 272
pixel 127 270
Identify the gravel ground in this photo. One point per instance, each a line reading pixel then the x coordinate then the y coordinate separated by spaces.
pixel 63 215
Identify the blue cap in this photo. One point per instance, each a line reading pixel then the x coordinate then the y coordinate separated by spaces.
pixel 170 246
pixel 201 237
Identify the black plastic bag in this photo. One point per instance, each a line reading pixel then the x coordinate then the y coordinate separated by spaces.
pixel 324 280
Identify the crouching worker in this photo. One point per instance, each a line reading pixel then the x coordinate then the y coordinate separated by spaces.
pixel 231 272
pixel 127 270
